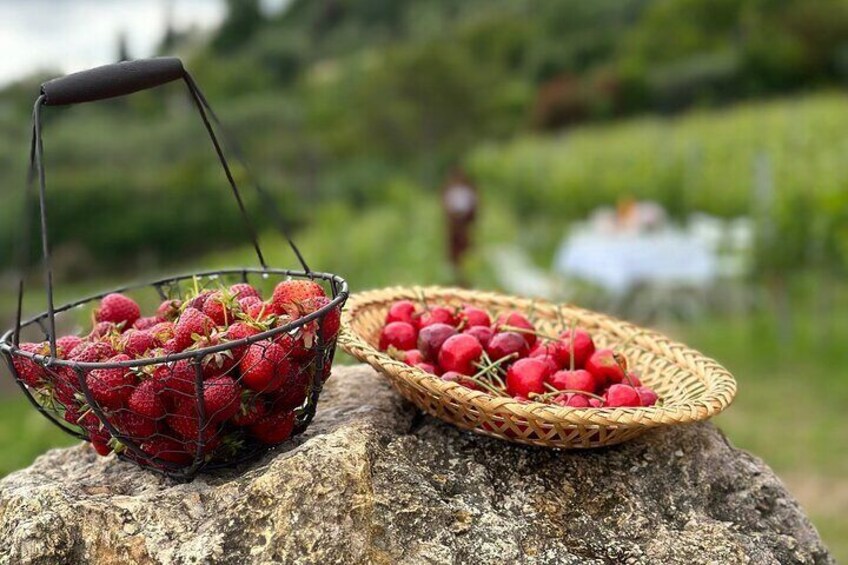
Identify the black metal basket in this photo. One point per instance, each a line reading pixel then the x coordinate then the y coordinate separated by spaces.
pixel 171 426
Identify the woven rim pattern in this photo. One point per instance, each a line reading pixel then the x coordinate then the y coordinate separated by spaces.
pixel 693 387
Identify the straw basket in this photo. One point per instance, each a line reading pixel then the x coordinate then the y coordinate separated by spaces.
pixel 691 386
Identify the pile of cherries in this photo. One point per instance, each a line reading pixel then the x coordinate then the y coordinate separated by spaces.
pixel 510 357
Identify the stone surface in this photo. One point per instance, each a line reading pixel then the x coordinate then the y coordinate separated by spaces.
pixel 373 482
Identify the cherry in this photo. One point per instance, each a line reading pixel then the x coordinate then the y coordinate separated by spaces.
pixel 431 338
pixel 471 316
pixel 605 368
pixel 554 350
pixel 595 403
pixel 583 347
pixel 403 311
pixel 526 377
pixel 518 320
pixel 551 362
pixel 622 395
pixel 426 367
pixel 412 357
pixel 647 396
pixel 400 335
pixel 483 334
pixel 439 315
pixel 453 376
pixel 573 400
pixel 507 343
pixel 459 353
pixel 578 379
pixel 633 379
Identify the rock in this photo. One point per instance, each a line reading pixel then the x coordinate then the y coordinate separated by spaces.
pixel 374 482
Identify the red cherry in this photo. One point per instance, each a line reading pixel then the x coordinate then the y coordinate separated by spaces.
pixel 439 315
pixel 633 379
pixel 572 400
pixel 518 320
pixel 555 350
pixel 527 376
pixel 647 397
pixel 412 357
pixel 399 335
pixel 426 367
pixel 453 376
pixel 584 347
pixel 483 334
pixel 507 343
pixel 604 367
pixel 574 380
pixel 622 395
pixel 595 403
pixel 459 353
pixel 471 316
pixel 402 311
pixel 431 338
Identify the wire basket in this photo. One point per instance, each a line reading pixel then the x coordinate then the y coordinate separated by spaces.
pixel 692 386
pixel 179 411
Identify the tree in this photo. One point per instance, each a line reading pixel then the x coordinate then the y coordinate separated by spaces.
pixel 244 19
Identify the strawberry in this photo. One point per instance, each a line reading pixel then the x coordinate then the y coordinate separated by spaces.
pixel 218 307
pixel 169 310
pixel 29 371
pixel 177 380
pixel 258 311
pixel 162 332
pixel 66 344
pixel 101 446
pixel 264 367
pixel 192 324
pixel 145 401
pixel 111 388
pixel 222 397
pixel 93 352
pixel 184 419
pixel 104 330
pixel 237 332
pixel 167 449
pixel 147 322
pixel 294 393
pixel 118 309
pixel 199 301
pixel 288 295
pixel 136 343
pixel 274 428
pixel 251 411
pixel 331 323
pixel 244 290
pixel 135 426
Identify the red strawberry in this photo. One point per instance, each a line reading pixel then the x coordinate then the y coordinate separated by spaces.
pixel 399 335
pixel 184 419
pixel 192 324
pixel 118 309
pixel 274 428
pixel 93 352
pixel 222 397
pixel 101 446
pixel 294 393
pixel 243 290
pixel 111 388
pixel 459 353
pixel 331 322
pixel 251 411
pixel 135 426
pixel 516 320
pixel 147 322
pixel 30 372
pixel 168 450
pixel 136 343
pixel 403 311
pixel 104 330
pixel 259 311
pixel 177 380
pixel 290 294
pixel 218 308
pixel 145 401
pixel 265 366
pixel 237 332
pixel 162 332
pixel 198 301
pixel 66 344
pixel 169 310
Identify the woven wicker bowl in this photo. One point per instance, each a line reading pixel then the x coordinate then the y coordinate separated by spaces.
pixel 692 387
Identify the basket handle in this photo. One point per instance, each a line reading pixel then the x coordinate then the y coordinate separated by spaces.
pixel 110 81
pixel 105 82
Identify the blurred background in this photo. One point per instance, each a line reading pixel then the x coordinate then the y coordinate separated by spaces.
pixel 680 163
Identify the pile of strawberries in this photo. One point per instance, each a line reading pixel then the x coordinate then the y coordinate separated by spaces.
pixel 249 392
pixel 509 357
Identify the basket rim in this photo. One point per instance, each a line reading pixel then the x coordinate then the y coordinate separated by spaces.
pixel 48 361
pixel 720 387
